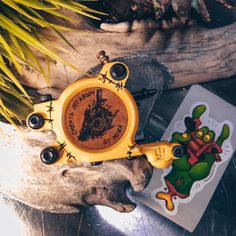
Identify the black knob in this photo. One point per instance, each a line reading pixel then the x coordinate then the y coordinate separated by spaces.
pixel 178 151
pixel 96 163
pixel 49 155
pixel 35 121
pixel 118 71
pixel 45 98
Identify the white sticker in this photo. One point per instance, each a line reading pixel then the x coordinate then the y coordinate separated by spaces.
pixel 204 126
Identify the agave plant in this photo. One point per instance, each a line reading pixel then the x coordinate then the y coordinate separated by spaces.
pixel 20 24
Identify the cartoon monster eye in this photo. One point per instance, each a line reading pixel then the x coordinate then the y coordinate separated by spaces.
pixel 207 138
pixel 199 134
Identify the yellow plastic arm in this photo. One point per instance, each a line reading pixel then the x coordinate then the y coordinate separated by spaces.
pixel 159 154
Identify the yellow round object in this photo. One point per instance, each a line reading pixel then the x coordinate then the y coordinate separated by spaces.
pixel 95 119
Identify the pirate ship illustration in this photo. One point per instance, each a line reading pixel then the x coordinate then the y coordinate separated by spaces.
pixel 97 119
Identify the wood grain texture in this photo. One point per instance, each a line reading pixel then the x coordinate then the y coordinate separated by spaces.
pixel 194 54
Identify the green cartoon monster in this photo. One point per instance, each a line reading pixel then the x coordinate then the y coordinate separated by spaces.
pixel 202 150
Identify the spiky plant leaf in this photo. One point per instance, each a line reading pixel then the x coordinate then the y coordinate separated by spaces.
pixel 20 24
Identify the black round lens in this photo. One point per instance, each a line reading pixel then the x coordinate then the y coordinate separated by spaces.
pixel 178 151
pixel 45 98
pixel 118 71
pixel 49 155
pixel 96 163
pixel 35 121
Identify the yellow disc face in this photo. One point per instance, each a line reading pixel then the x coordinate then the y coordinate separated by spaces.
pixel 95 118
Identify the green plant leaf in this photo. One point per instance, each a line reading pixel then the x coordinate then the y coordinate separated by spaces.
pixel 20 24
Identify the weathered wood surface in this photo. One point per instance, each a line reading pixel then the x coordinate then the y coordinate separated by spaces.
pixel 194 54
pixel 66 188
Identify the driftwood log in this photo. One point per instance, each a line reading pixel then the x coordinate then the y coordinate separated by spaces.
pixel 25 178
pixel 194 54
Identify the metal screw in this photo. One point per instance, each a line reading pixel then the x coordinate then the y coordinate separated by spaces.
pixel 49 155
pixel 45 98
pixel 118 71
pixel 35 121
pixel 144 93
pixel 104 59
